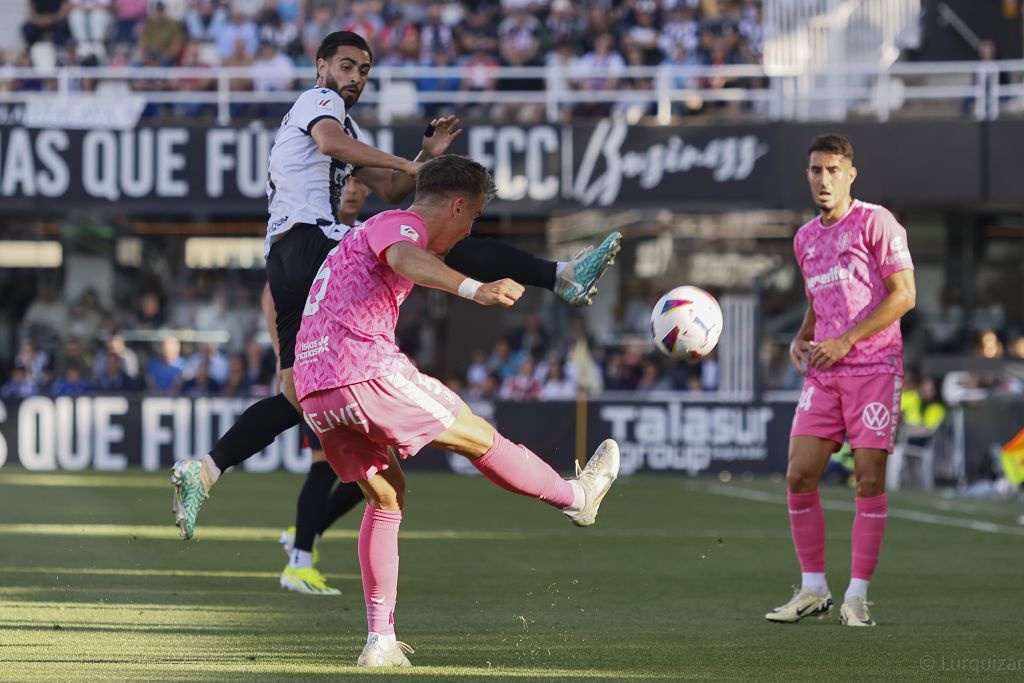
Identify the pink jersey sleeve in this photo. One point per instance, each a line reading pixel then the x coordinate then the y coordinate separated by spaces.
pixel 399 226
pixel 887 240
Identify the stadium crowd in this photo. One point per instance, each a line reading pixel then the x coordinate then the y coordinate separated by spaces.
pixel 273 36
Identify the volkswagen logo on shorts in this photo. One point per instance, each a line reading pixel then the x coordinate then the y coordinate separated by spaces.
pixel 876 416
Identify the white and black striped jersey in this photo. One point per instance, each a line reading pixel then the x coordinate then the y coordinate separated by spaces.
pixel 304 185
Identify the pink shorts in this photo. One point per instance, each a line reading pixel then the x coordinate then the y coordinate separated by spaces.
pixel 356 423
pixel 865 409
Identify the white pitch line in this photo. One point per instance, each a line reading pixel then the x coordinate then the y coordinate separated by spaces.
pixel 913 515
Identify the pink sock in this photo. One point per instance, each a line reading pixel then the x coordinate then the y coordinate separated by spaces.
pixel 868 531
pixel 516 468
pixel 378 560
pixel 807 522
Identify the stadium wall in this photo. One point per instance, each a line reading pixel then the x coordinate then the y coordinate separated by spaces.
pixel 542 169
pixel 112 433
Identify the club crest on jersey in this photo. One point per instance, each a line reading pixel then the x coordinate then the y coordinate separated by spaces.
pixel 810 251
pixel 844 242
pixel 410 232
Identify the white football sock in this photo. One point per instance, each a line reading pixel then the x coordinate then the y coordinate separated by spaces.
pixel 301 559
pixel 209 473
pixel 579 498
pixel 386 642
pixel 858 588
pixel 814 582
pixel 559 267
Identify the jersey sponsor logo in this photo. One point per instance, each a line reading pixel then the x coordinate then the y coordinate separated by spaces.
pixel 313 348
pixel 833 276
pixel 410 232
pixel 876 416
pixel 327 420
pixel 897 258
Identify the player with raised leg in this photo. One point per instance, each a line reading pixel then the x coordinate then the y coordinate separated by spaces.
pixel 316 149
pixel 362 395
pixel 859 280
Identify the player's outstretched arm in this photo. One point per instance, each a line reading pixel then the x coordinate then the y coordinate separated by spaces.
pixel 425 269
pixel 394 186
pixel 331 140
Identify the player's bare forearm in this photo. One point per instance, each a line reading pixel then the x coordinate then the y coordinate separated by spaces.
pixel 806 332
pixel 422 267
pixel 901 299
pixel 391 186
pixel 332 140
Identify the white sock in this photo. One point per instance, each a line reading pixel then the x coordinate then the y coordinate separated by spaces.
pixel 301 559
pixel 814 582
pixel 579 498
pixel 213 469
pixel 858 588
pixel 386 642
pixel 559 267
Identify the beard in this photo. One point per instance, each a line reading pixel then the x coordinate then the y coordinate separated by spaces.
pixel 349 97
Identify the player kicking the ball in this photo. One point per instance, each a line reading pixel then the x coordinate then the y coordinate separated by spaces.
pixel 362 395
pixel 859 280
pixel 316 149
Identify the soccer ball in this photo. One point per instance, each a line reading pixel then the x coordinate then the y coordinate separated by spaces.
pixel 686 323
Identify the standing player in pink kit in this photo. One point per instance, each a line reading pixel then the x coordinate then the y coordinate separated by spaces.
pixel 360 394
pixel 859 280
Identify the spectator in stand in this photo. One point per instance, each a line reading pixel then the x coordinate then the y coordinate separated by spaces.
pixel 192 57
pixel 216 362
pixel 363 20
pixel 477 371
pixel 46 18
pixel 164 374
pixel 564 63
pixel 281 34
pixel 532 339
pixel 681 28
pixel 73 353
pixel 439 84
pixel 240 30
pixel 86 317
pixel 522 386
pixel 479 76
pixel 71 382
pixel 204 20
pixel 200 383
pixel 128 18
pixel 20 385
pixel 236 385
pixel 558 387
pixel 519 37
pixel 112 376
pixel 259 367
pixel 319 25
pixel 477 32
pixel 128 358
pixel 599 22
pixel 617 376
pixel 563 25
pixel 436 37
pixel 272 70
pixel 642 33
pixel 503 361
pixel 47 314
pixel 600 69
pixel 162 36
pixel 486 390
pixel 89 21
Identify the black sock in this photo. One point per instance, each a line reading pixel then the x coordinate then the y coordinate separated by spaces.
pixel 488 260
pixel 343 498
pixel 255 429
pixel 311 504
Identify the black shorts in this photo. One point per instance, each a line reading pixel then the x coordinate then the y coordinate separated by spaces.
pixel 291 266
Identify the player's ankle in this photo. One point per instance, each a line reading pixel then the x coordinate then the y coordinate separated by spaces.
pixel 209 473
pixel 384 641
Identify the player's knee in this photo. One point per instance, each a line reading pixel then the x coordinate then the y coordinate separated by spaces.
pixel 870 484
pixel 801 480
pixel 470 436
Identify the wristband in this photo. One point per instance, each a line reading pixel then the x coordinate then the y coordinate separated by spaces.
pixel 467 290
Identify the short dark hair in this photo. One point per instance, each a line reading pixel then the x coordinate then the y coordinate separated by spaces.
pixel 832 144
pixel 451 174
pixel 330 44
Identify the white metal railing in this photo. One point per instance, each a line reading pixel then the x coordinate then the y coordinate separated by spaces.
pixel 778 93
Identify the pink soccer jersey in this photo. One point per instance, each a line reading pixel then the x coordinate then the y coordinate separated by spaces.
pixel 844 266
pixel 348 325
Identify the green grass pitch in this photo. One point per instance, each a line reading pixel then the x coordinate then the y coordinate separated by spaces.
pixel 671 584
